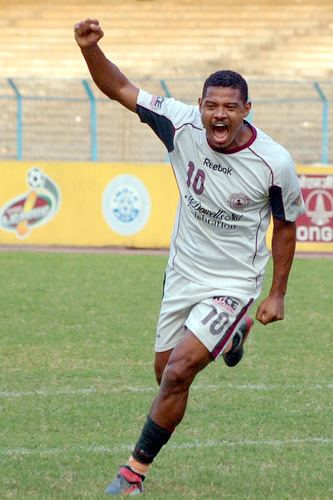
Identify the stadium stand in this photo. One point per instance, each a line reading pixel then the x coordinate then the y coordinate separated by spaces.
pixel 260 38
pixel 181 41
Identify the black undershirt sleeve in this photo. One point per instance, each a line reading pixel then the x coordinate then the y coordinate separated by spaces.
pixel 161 125
pixel 276 201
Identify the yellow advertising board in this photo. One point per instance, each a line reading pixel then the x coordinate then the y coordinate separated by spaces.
pixel 118 204
pixel 87 204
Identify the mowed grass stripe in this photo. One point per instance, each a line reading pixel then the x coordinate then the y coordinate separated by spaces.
pixel 86 391
pixel 321 440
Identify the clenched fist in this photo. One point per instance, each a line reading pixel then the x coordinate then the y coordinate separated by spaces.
pixel 88 33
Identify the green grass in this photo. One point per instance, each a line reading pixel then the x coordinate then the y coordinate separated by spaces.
pixel 76 347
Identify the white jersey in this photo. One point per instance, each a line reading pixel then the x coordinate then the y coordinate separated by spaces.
pixel 226 199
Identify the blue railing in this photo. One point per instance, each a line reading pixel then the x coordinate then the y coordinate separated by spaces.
pixel 325 119
pixel 19 124
pixel 93 120
pixel 187 90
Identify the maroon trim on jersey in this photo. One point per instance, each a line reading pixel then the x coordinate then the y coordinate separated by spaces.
pixel 176 236
pixel 265 162
pixel 260 212
pixel 178 221
pixel 240 148
pixel 193 126
pixel 226 337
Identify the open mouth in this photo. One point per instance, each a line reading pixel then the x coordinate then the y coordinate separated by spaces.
pixel 220 132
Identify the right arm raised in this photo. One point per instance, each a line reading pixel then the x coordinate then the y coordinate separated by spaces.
pixel 107 76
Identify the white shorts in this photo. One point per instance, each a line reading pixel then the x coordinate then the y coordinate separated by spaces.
pixel 211 314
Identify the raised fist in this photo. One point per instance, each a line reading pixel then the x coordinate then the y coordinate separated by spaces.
pixel 88 33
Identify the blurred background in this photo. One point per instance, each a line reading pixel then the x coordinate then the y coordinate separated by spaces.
pixel 51 110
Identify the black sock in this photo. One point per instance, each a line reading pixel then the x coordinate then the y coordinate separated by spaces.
pixel 152 438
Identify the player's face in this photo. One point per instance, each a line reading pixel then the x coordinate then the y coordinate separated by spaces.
pixel 223 112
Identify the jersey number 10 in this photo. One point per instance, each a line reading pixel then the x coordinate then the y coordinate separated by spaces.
pixel 199 179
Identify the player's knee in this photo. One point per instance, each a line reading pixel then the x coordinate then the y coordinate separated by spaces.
pixel 179 374
pixel 161 360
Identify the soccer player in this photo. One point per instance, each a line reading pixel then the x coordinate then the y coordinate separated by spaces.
pixel 232 178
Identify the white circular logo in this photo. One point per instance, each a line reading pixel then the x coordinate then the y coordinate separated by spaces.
pixel 238 201
pixel 126 205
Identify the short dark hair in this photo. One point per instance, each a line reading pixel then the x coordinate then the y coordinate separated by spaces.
pixel 227 78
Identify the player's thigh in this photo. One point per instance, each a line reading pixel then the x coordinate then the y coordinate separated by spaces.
pixel 189 357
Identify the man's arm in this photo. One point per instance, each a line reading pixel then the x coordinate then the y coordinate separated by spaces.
pixel 283 250
pixel 107 76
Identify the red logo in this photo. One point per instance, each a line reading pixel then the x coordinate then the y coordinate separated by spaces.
pixel 316 224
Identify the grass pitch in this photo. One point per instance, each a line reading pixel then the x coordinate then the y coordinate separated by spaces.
pixel 76 345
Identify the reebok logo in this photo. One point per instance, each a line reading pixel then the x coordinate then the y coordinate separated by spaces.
pixel 214 166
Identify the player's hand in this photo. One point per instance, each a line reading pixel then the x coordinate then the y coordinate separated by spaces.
pixel 88 33
pixel 271 309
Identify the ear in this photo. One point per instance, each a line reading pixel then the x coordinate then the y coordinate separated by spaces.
pixel 247 108
pixel 200 103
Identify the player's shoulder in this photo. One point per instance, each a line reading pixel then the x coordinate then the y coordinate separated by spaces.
pixel 271 152
pixel 176 111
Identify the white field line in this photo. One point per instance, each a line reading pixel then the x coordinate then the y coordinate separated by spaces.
pixel 211 443
pixel 68 391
